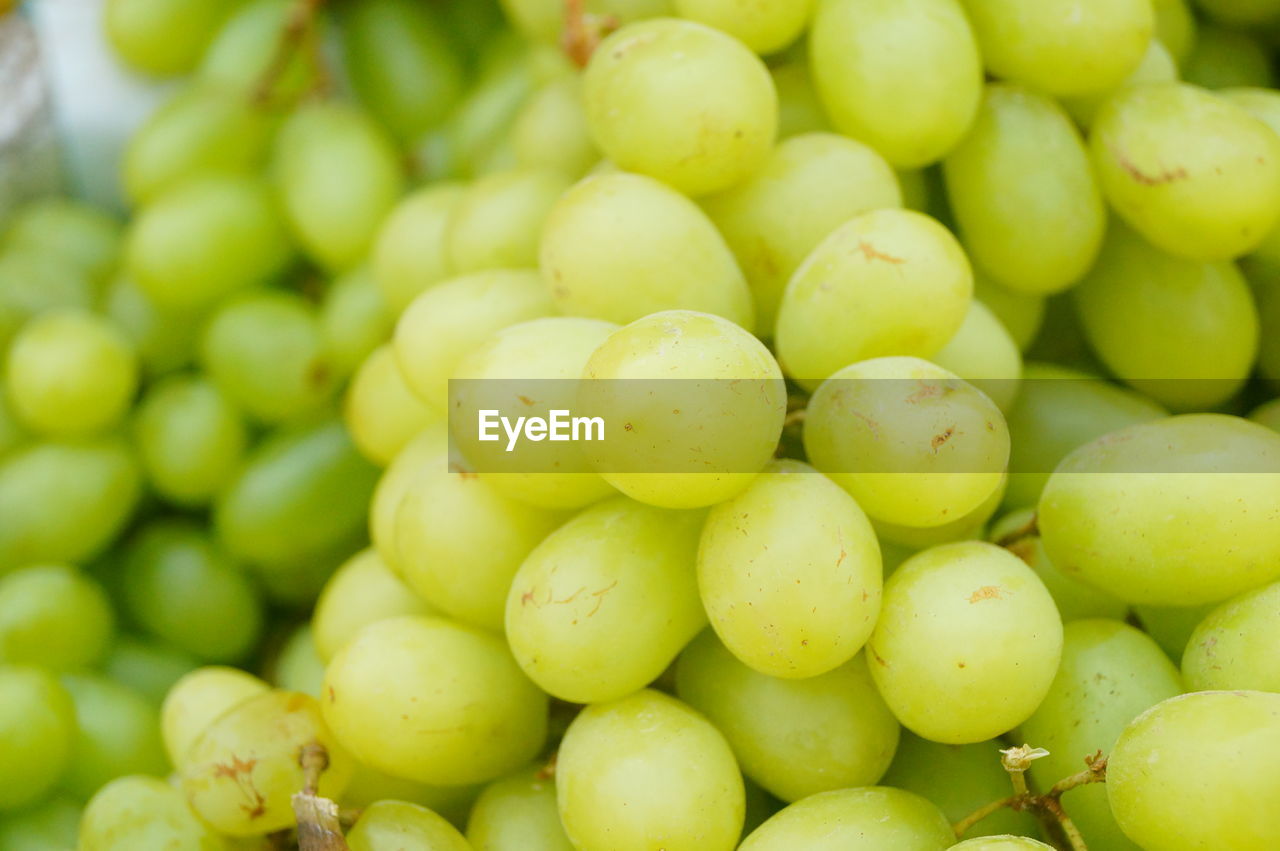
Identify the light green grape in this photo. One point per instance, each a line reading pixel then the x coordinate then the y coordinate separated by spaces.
pixel 518 813
pixel 551 130
pixel 912 443
pixel 858 295
pixel 647 771
pixel 701 435
pixel 789 572
pixel 383 699
pixel 12 434
pixel 163 37
pixel 904 76
pixel 53 616
pixel 362 591
pixel 1175 27
pixel 1195 174
pixel 602 606
pixel 408 254
pixel 385 825
pixel 37 733
pixel 810 185
pixel 163 339
pixel 1171 626
pixel 1222 58
pixel 477 138
pixel 380 411
pixel 1157 66
pixel 1263 104
pixel 799 109
pixel 143 812
pixel 53 824
pixel 967 642
pixel 1023 193
pixel 871 818
pixel 1268 414
pixel 368 786
pixel 396 481
pixel 544 19
pixel 74 232
pixel 246 49
pixel 1110 673
pixel 764 27
pixel 33 281
pixel 1020 313
pixel 354 320
pixel 1200 771
pixel 147 666
pixel 199 699
pixel 967 527
pixel 1141 511
pixel 622 246
pixel 681 102
pixel 1000 843
pixel 298 666
pixel 1234 646
pixel 118 733
pixel 190 439
pixel 985 354
pixel 498 222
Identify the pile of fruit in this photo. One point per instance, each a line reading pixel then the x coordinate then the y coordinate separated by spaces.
pixel 966 535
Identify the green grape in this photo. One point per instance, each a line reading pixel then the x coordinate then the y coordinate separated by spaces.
pixel 245 50
pixel 764 27
pixel 789 572
pixel 1057 410
pixel 118 734
pixel 1241 12
pixel 241 772
pixel 1264 275
pixel 498 221
pixel 917 189
pixel 1157 66
pixel 338 176
pixel 65 502
pixel 949 442
pixel 131 813
pixel 858 295
pixel 1000 843
pixel 603 605
pixel 1268 415
pixel 872 818
pixel 1023 193
pixel 799 109
pixel 681 102
pixel 147 666
pixel 967 642
pixel 163 37
pixel 968 527
pixel 80 234
pixel 53 616
pixel 959 779
pixel 369 786
pixel 721 380
pixel 206 238
pixel 1234 646
pixel 70 373
pixel 1175 27
pixel 298 666
pixel 551 130
pixel 793 737
pixel 1200 771
pixel 1171 626
pixel 401 64
pixel 354 320
pixel 384 701
pixel 647 771
pixel 397 480
pixel 1263 104
pixel 810 185
pixel 450 319
pixel 385 825
pixel 202 128
pixel 164 339
pixel 1110 673
pixel 197 700
pixel 477 138
pixel 409 252
pixel 904 76
pixel 37 733
pixel 1222 58
pixel 33 281
pixel 12 434
pixel 985 354
pixel 543 19
pixel 518 813
pixel 180 586
pixel 380 411
pixel 362 591
pixel 1141 511
pixel 53 824
pixel 1194 173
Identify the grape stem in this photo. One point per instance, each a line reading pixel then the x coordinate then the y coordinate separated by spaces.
pixel 583 32
pixel 299 24
pixel 319 827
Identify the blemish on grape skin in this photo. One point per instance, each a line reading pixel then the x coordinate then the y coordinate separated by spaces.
pixel 986 592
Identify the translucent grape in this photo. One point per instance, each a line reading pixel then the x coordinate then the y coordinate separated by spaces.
pixel 498 221
pixel 118 733
pixel 870 818
pixel 362 591
pixel 53 616
pixel 37 733
pixel 764 27
pixel 983 353
pixel 551 130
pixel 199 699
pixel 1234 647
pixel 143 812
pixel 380 411
pixel 163 37
pixel 409 254
pixel 354 320
pixel 518 813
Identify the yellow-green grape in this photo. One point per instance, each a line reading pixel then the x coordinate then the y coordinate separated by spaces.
pixel 1268 414
pixel 395 482
pixel 810 185
pixel 543 20
pixel 871 818
pixel 53 616
pixel 203 128
pixel 55 823
pixel 1223 58
pixel 362 591
pixel 605 603
pixel 77 233
pixel 354 320
pixel 917 191
pixel 164 339
pixel 968 527
pixel 709 421
pixel 789 572
pixel 1023 193
pixel 384 701
pixel 645 772
pixel 476 140
pixel 1020 313
pixel 1200 771
pixel 985 354
pixel 1171 626
pixel 148 666
pixel 409 253
pixel 37 734
pixel 70 373
pixel 32 281
pixel 799 109
pixel 793 737
pixel 967 642
pixel 1000 843
pixel 765 27
pixel 1241 12
pixel 960 779
pixel 12 434
pixel 298 666
pixel 137 812
pixel 368 786
pixel 1234 647
pixel 190 438
pixel 904 76
pixel 622 246
pixel 1264 275
pixel 1194 173
pixel 246 49
pixel 1110 673
pixel 163 37
pixel 1141 511
pixel 387 825
pixel 533 368
pixel 118 733
pixel 1263 104
pixel 450 319
pixel 1057 410
pixel 1175 27
pixel 551 129
pixel 1157 66
pixel 338 176
pixel 380 411
pixel 199 699
pixel 240 774
pixel 518 813
pixel 205 238
pixel 681 102
pixel 912 443
pixel 859 292
pixel 498 222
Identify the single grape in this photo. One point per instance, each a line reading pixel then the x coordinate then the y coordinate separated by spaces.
pixel 983 353
pixel 362 591
pixel 298 666
pixel 498 222
pixel 118 733
pixel 143 812
pixel 799 109
pixel 1000 843
pixel 871 818
pixel 1171 626
pixel 1175 26
pixel 388 824
pixel 1233 647
pixel 518 813
pixel 551 129
pixel 765 27
pixel 84 236
pixel 380 411
pixel 408 254
pixel 1157 66
pixel 33 281
pixel 1020 313
pixel 147 666
pixel 368 786
pixel 163 37
pixel 199 699
pixel 164 339
pixel 354 320
pixel 37 734
pixel 1221 58
pixel 53 616
pixel 967 527
pixel 55 823
pixel 246 49
pixel 543 20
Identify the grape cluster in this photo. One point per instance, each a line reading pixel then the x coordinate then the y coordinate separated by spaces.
pixel 990 559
